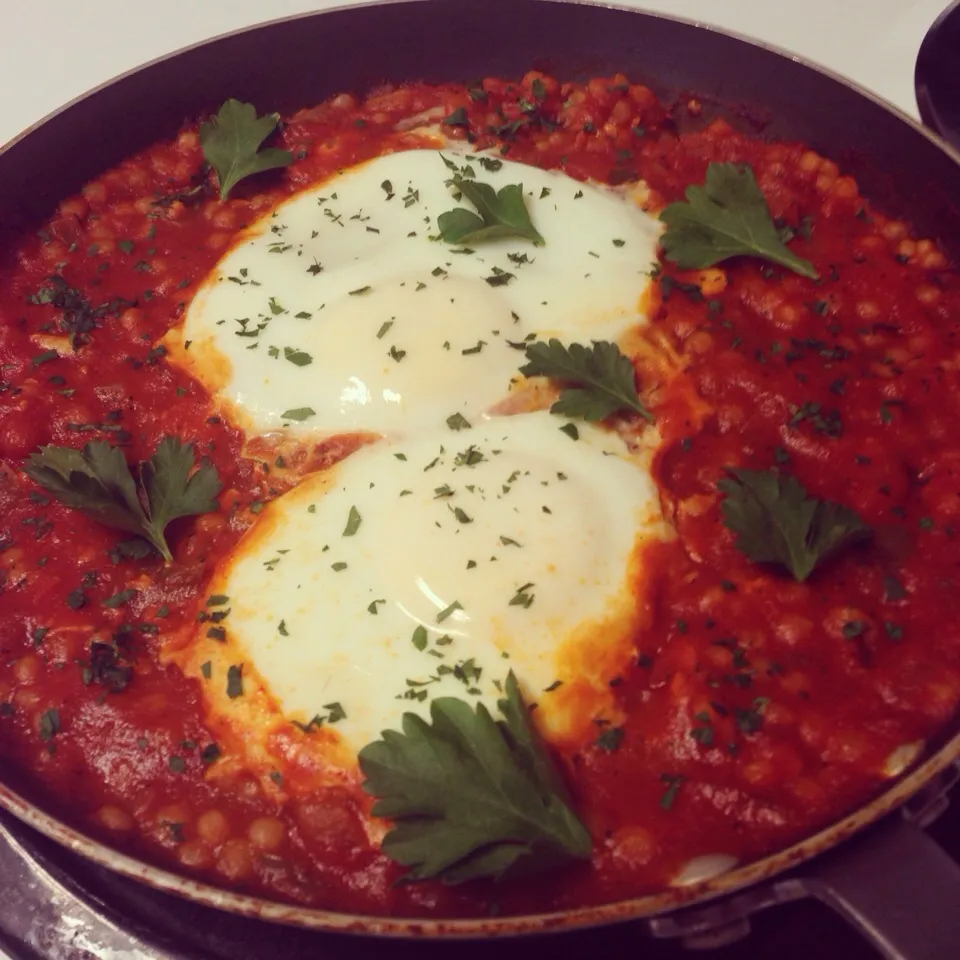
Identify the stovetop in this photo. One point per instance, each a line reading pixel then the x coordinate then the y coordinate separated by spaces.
pixel 57 906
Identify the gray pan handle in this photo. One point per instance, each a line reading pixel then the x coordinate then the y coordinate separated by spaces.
pixel 896 886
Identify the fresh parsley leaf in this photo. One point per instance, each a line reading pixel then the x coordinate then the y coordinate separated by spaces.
pixel 171 490
pixel 602 376
pixel 775 521
pixel 95 480
pixel 726 217
pixel 471 796
pixel 500 213
pixel 98 482
pixel 231 144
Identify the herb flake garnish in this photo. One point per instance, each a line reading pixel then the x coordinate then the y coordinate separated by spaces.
pixel 48 726
pixel 523 598
pixel 297 357
pixel 231 144
pixel 602 377
pixel 98 482
pixel 353 522
pixel 104 667
pixel 235 681
pixel 299 414
pixel 776 522
pixel 471 796
pixel 457 421
pixel 77 315
pixel 726 217
pixel 609 739
pixel 673 782
pixel 119 599
pixel 449 611
pixel 458 118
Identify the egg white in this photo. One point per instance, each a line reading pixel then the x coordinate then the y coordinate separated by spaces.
pixel 431 567
pixel 341 311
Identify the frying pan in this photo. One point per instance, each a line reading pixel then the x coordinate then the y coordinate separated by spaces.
pixel 875 867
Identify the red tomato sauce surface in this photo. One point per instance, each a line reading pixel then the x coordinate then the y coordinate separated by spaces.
pixel 759 709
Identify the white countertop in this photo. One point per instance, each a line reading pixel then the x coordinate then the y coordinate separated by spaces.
pixel 53 50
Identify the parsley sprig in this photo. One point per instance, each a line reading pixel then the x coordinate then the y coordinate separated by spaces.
pixel 726 217
pixel 500 213
pixel 471 796
pixel 231 144
pixel 601 377
pixel 98 482
pixel 775 521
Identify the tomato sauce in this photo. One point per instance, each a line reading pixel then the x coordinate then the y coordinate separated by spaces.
pixel 759 709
